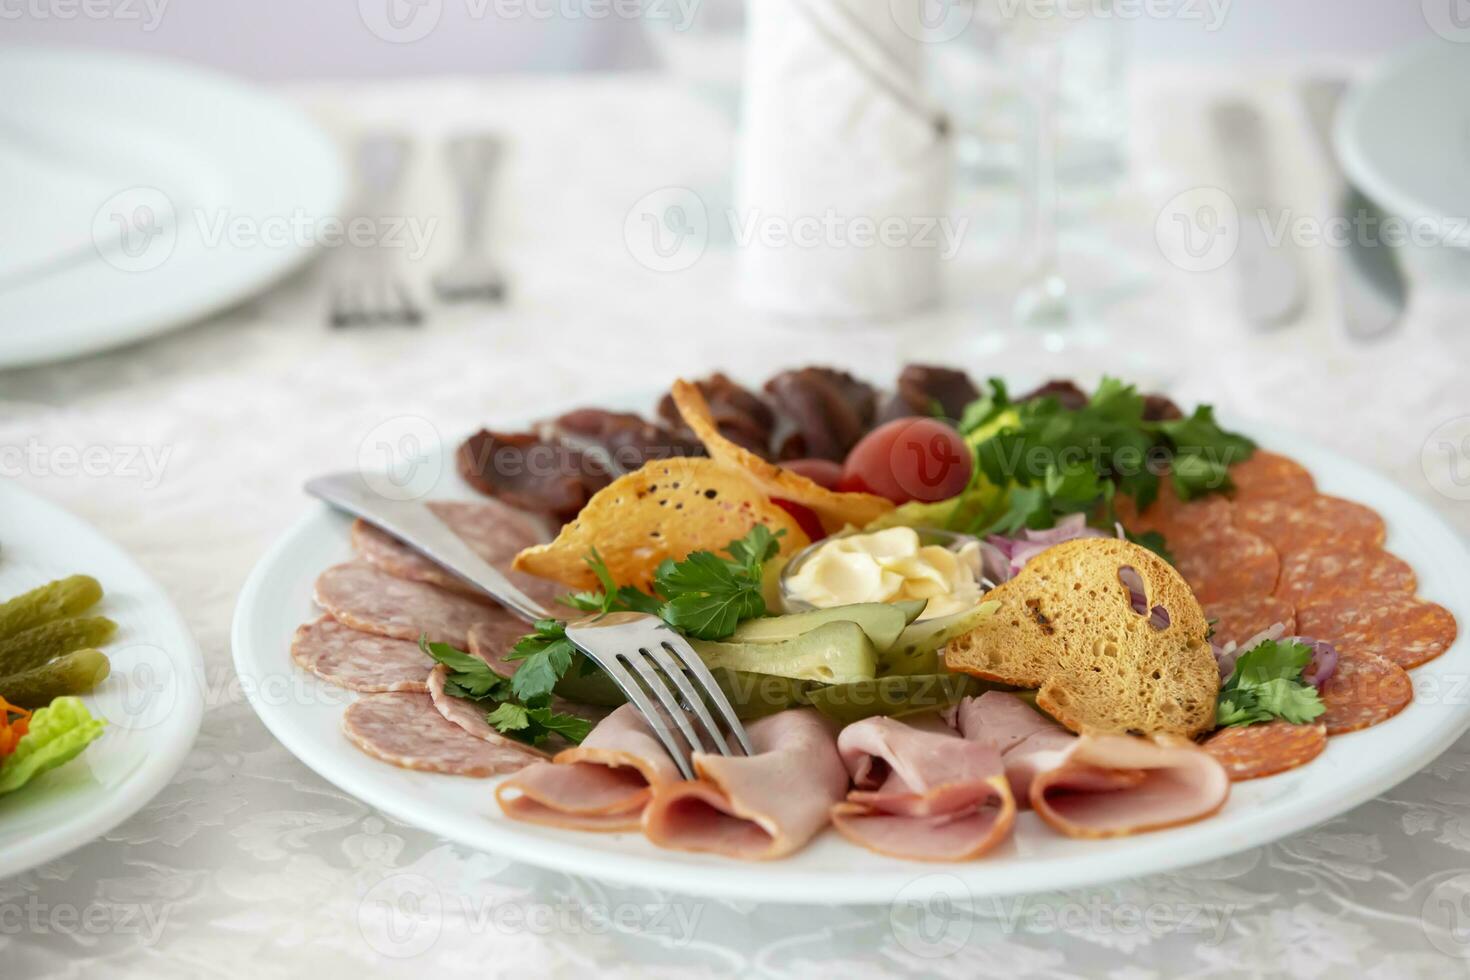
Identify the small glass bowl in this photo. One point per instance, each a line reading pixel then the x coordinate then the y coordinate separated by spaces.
pixel 952 540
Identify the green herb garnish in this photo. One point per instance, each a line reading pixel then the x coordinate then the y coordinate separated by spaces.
pixel 1267 684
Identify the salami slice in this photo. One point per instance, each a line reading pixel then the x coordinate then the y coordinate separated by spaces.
pixel 363 598
pixel 1239 619
pixel 1402 629
pixel 468 716
pixel 1172 517
pixel 404 730
pixel 1226 563
pixel 1363 691
pixel 1292 526
pixel 493 530
pixel 1319 571
pixel 359 661
pixel 1253 751
pixel 493 639
pixel 1271 476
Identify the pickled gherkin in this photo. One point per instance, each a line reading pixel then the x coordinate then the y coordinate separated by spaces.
pixel 56 600
pixel 76 673
pixel 35 646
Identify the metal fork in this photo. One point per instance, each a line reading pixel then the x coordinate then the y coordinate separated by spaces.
pixel 371 293
pixel 655 668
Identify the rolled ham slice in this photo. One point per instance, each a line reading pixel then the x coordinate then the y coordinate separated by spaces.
pixel 922 792
pixel 602 784
pixel 758 807
pixel 1096 785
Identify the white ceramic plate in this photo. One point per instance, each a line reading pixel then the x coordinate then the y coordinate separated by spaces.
pixel 1353 769
pixel 1403 136
pixel 152 701
pixel 192 149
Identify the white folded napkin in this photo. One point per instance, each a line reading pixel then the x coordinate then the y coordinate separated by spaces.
pixel 842 175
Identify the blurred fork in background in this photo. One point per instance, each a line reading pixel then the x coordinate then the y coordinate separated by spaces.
pixel 368 291
pixel 473 159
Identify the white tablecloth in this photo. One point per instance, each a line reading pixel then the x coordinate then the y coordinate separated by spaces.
pixel 249 864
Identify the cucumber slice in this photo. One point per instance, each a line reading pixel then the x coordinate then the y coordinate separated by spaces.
pixel 917 648
pixel 834 653
pixel 883 623
pixel 893 696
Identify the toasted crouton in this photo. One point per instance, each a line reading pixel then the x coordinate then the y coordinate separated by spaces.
pixel 1067 627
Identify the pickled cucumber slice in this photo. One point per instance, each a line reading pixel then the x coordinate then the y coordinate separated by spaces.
pixel 894 696
pixel 918 646
pixel 883 622
pixel 833 654
pixel 55 600
pixel 39 644
pixel 75 673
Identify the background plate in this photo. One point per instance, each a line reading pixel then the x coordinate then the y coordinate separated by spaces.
pixel 152 701
pixel 1353 769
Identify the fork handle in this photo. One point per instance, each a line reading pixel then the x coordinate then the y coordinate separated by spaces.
pixel 416 526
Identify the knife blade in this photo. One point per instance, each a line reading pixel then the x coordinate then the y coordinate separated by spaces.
pixel 1269 275
pixel 1370 281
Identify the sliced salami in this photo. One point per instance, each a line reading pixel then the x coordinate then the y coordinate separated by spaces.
pixel 1319 571
pixel 1402 629
pixel 363 598
pixel 494 531
pixel 404 730
pixel 1253 751
pixel 1172 517
pixel 468 716
pixel 1239 619
pixel 359 661
pixel 1271 476
pixel 1292 526
pixel 493 639
pixel 1364 691
pixel 1226 563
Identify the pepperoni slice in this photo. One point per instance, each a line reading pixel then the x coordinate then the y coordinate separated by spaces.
pixel 1253 751
pixel 1243 617
pixel 1292 526
pixel 359 661
pixel 1271 476
pixel 406 731
pixel 1364 691
pixel 1226 563
pixel 1403 629
pixel 1172 517
pixel 1322 570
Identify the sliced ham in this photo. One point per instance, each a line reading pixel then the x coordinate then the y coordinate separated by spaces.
pixel 1096 785
pixel 922 792
pixel 759 807
pixel 602 784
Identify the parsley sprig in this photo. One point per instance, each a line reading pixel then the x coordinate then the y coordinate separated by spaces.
pixel 1267 684
pixel 1054 461
pixel 516 707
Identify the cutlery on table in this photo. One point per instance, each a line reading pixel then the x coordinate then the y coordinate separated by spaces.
pixel 655 668
pixel 371 292
pixel 1269 276
pixel 1370 281
pixel 473 162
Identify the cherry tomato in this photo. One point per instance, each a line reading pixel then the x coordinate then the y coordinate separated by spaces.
pixel 909 459
pixel 805 517
pixel 822 472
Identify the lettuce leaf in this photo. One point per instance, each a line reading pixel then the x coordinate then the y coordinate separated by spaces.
pixel 57 734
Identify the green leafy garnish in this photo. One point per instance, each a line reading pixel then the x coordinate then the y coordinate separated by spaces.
pixel 57 734
pixel 611 598
pixel 545 656
pixel 523 712
pixel 1267 684
pixel 536 725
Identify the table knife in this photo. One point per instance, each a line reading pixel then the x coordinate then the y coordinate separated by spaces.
pixel 1269 274
pixel 1370 280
